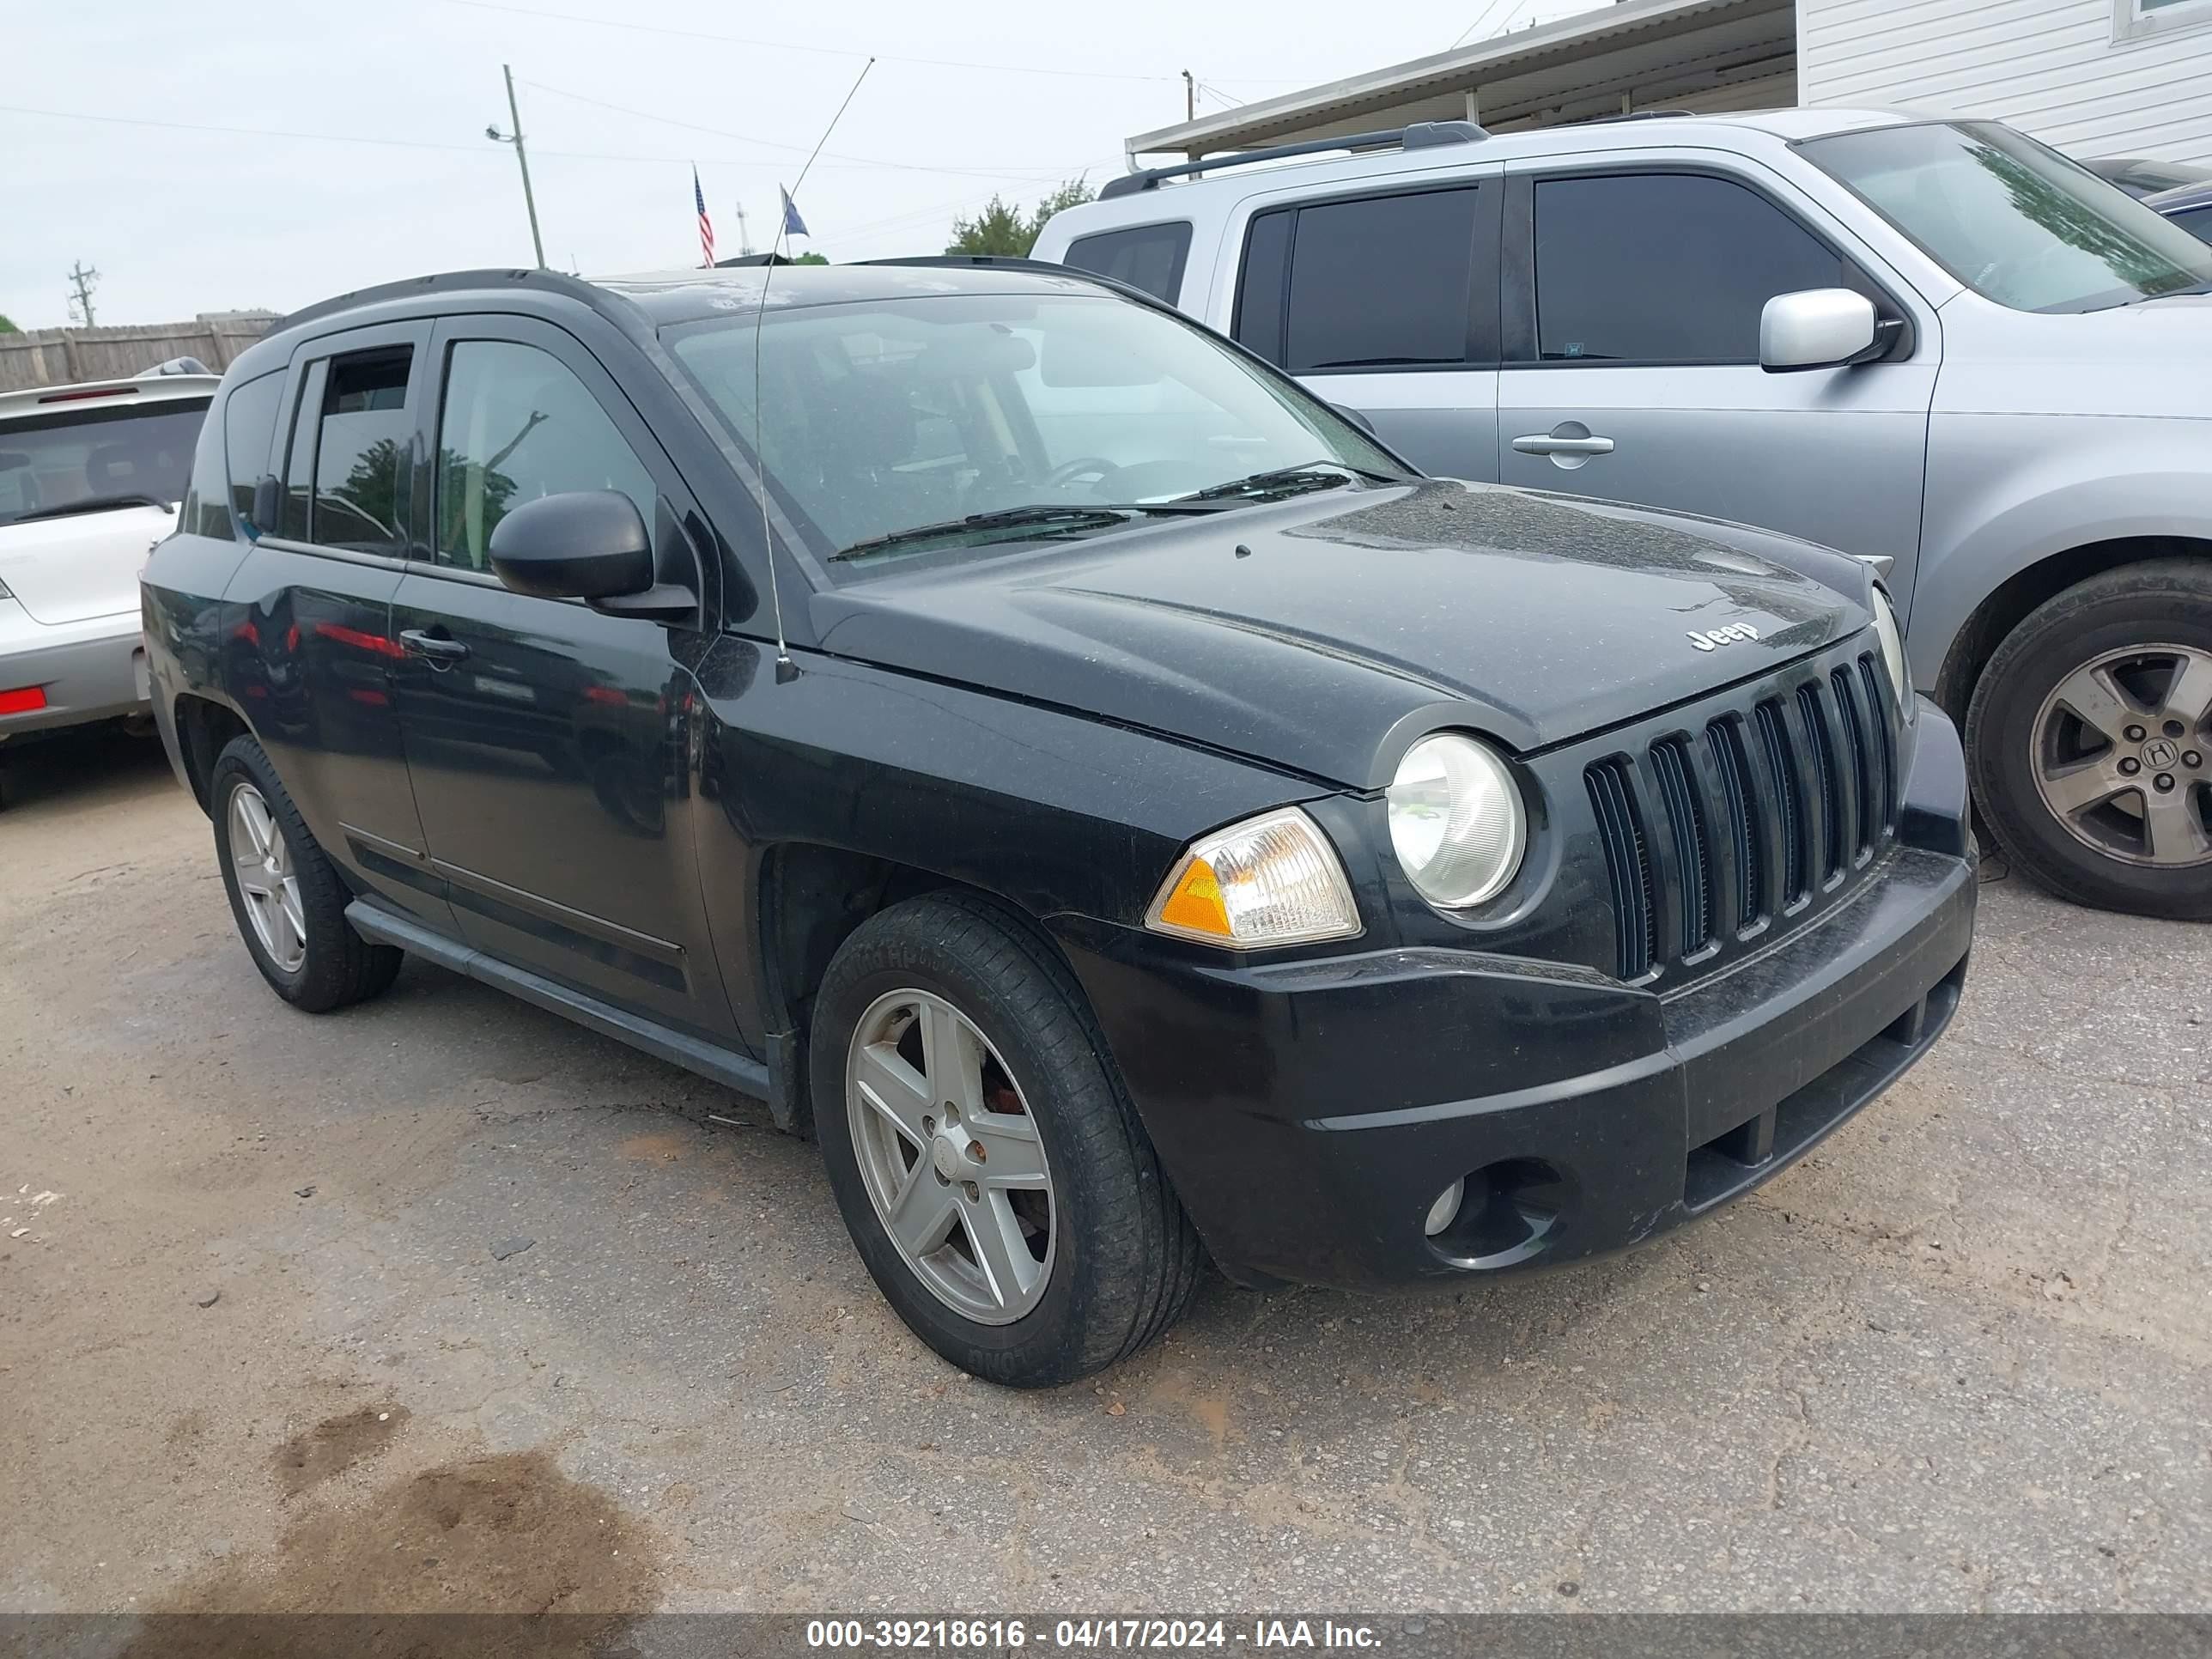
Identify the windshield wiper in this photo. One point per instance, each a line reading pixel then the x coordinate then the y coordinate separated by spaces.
pixel 90 504
pixel 1291 480
pixel 1041 515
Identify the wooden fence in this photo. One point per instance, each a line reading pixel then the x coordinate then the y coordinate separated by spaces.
pixel 57 356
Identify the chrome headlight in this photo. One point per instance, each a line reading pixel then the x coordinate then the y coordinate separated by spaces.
pixel 1455 820
pixel 1270 880
pixel 1893 651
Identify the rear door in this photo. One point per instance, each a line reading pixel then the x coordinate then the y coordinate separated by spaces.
pixel 1632 319
pixel 1384 300
pixel 88 483
pixel 550 744
pixel 310 648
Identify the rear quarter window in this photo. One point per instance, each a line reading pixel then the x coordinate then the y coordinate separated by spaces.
pixel 249 424
pixel 1146 257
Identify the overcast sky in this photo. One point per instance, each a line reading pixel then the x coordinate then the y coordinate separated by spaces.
pixel 178 222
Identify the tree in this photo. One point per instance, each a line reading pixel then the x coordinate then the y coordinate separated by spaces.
pixel 7 327
pixel 811 259
pixel 999 228
pixel 1002 228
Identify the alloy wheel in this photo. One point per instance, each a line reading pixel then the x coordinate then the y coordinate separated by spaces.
pixel 950 1155
pixel 262 860
pixel 2121 747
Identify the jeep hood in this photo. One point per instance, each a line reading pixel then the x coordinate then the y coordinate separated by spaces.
pixel 1301 634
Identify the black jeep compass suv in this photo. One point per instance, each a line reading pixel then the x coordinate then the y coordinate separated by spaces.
pixel 1124 810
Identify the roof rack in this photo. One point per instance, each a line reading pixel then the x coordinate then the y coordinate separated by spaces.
pixel 1641 115
pixel 445 281
pixel 1422 135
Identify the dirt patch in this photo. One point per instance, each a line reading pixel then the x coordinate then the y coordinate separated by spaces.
pixel 335 1445
pixel 653 1149
pixel 429 1554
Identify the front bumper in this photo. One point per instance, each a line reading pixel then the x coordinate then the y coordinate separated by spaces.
pixel 96 673
pixel 1309 1113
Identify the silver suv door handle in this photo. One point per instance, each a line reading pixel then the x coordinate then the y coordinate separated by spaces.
pixel 1543 443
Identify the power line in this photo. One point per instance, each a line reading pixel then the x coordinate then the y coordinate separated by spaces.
pixel 792 46
pixel 770 143
pixel 246 132
pixel 1481 17
pixel 1029 175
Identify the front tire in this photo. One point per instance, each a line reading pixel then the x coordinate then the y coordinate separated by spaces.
pixel 2090 734
pixel 288 901
pixel 987 1163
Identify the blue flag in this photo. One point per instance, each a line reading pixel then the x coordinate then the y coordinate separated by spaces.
pixel 792 224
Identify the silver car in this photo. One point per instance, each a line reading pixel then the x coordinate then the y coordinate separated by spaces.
pixel 1937 344
pixel 90 478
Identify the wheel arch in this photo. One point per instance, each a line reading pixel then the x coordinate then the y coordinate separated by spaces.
pixel 204 725
pixel 2012 600
pixel 812 898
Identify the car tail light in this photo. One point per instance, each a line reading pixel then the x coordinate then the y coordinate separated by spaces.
pixel 92 391
pixel 24 700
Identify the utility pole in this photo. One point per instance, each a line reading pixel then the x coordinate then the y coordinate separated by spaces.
pixel 1189 97
pixel 81 282
pixel 744 242
pixel 513 136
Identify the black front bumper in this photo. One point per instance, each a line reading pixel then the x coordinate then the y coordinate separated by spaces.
pixel 1309 1113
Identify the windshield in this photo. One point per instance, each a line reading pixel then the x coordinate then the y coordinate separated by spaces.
pixel 2016 222
pixel 55 461
pixel 912 414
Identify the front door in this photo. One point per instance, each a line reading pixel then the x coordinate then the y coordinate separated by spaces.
pixel 549 743
pixel 1632 323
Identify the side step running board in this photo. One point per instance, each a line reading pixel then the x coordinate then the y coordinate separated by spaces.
pixel 739 1071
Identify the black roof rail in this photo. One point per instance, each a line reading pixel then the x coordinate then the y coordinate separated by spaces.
pixel 1422 135
pixel 409 287
pixel 1640 115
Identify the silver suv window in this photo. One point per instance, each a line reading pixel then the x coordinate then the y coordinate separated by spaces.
pixel 84 460
pixel 2016 222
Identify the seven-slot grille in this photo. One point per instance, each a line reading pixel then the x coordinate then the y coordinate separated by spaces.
pixel 1757 814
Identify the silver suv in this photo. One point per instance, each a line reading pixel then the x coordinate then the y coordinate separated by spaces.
pixel 1938 344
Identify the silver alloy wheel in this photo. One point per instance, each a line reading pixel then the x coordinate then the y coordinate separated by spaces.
pixel 263 861
pixel 951 1156
pixel 2121 753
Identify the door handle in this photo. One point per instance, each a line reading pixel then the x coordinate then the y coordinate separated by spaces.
pixel 1543 443
pixel 435 646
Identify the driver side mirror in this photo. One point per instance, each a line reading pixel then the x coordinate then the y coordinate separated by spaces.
pixel 585 545
pixel 1821 328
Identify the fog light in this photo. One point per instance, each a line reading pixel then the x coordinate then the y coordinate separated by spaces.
pixel 1446 1207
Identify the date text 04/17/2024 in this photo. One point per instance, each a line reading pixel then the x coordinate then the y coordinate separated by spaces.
pixel 1168 1635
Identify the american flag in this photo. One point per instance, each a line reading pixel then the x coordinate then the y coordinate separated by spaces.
pixel 706 225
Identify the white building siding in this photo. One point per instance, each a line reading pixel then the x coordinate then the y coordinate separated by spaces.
pixel 2052 68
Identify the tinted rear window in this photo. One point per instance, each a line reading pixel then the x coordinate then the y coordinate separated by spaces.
pixel 1146 257
pixel 1380 282
pixel 73 460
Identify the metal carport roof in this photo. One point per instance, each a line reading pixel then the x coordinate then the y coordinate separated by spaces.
pixel 1640 54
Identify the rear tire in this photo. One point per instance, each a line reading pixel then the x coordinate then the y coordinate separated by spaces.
pixel 1119 1260
pixel 301 943
pixel 2091 772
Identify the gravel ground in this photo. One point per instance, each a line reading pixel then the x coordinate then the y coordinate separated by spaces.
pixel 442 1302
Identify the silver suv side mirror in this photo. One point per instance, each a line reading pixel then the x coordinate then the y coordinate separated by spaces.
pixel 1817 328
